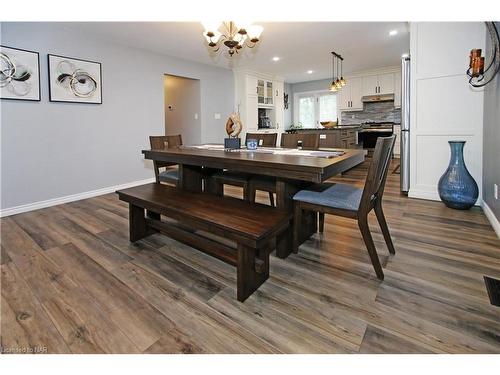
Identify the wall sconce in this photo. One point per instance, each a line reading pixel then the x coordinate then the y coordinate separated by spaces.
pixel 479 76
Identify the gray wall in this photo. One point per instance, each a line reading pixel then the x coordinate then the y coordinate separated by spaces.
pixel 182 95
pixel 491 140
pixel 50 150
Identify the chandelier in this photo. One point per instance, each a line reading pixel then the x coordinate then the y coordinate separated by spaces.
pixel 233 36
pixel 338 80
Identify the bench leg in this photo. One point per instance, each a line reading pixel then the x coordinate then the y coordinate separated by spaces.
pixel 248 279
pixel 137 223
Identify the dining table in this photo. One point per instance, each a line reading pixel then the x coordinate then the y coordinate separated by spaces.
pixel 291 169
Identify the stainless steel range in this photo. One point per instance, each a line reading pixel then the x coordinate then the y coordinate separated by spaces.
pixel 372 130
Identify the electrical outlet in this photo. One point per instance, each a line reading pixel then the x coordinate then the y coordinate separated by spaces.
pixel 217 116
pixel 495 191
pixel 196 116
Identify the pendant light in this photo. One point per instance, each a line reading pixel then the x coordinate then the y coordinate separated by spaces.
pixel 338 80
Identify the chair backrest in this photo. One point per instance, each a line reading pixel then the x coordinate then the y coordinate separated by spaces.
pixel 377 172
pixel 268 139
pixel 162 142
pixel 309 141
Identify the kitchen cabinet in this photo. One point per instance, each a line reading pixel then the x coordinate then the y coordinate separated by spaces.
pixel 334 138
pixel 350 95
pixel 251 85
pixel 397 90
pixel 253 91
pixel 378 84
pixel 265 92
pixel 279 105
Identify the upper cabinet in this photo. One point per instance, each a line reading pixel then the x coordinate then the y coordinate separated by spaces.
pixel 350 95
pixel 265 92
pixel 251 85
pixel 378 84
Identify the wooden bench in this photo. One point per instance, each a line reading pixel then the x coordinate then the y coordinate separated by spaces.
pixel 254 228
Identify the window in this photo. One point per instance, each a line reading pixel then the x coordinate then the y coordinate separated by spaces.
pixel 316 107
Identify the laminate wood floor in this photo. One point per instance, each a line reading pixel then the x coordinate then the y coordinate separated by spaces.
pixel 72 282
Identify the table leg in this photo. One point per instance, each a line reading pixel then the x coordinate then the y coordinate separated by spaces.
pixel 285 190
pixel 191 178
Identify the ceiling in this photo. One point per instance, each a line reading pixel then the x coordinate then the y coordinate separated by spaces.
pixel 301 46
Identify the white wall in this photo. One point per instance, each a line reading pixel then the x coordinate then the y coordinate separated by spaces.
pixel 53 150
pixel 443 105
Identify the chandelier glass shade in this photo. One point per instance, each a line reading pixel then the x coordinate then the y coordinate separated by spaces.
pixel 231 34
pixel 338 80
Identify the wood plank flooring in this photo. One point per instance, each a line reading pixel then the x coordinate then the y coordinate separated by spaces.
pixel 72 282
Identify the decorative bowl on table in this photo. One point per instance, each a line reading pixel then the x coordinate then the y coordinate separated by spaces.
pixel 328 124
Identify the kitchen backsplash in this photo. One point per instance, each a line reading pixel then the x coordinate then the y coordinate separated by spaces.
pixel 373 112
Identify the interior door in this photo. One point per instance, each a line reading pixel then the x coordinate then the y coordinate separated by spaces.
pixel 386 83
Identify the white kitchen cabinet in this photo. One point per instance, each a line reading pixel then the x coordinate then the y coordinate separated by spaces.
pixel 397 90
pixel 350 95
pixel 386 83
pixel 251 113
pixel 279 105
pixel 356 94
pixel 370 85
pixel 378 84
pixel 251 84
pixel 265 92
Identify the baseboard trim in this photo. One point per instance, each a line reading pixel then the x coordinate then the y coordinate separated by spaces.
pixel 70 198
pixel 492 218
pixel 433 196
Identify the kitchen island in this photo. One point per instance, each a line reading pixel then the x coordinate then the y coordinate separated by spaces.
pixel 337 137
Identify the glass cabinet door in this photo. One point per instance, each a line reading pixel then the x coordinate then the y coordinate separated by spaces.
pixel 260 91
pixel 269 92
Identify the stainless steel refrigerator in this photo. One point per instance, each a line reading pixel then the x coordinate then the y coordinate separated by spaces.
pixel 405 125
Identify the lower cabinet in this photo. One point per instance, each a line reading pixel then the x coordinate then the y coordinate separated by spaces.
pixel 336 138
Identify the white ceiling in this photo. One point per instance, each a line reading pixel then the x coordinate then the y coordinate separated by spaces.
pixel 301 46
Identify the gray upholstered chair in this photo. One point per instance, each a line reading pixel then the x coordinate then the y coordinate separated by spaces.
pixel 351 202
pixel 161 142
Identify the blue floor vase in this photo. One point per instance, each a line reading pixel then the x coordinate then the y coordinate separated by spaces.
pixel 457 188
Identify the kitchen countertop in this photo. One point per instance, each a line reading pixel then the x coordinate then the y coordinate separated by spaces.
pixel 330 129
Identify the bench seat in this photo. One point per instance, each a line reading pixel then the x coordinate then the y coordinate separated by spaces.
pixel 254 228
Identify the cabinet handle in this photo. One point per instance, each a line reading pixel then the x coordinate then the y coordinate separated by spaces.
pixel 276 92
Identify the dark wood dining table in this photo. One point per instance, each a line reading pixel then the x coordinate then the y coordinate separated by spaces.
pixel 292 173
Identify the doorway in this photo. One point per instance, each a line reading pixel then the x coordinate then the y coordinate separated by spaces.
pixel 182 108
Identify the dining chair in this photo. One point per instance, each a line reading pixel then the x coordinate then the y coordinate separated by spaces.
pixel 163 142
pixel 294 140
pixel 263 139
pixel 268 183
pixel 242 179
pixel 349 201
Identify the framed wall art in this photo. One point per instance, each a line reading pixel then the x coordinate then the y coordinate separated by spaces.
pixel 74 80
pixel 19 74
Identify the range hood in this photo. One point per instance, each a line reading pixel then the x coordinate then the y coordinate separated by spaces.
pixel 378 98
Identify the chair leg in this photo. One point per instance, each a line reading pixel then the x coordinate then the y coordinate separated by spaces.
pixel 297 218
pixel 271 199
pixel 370 246
pixel 383 226
pixel 321 222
